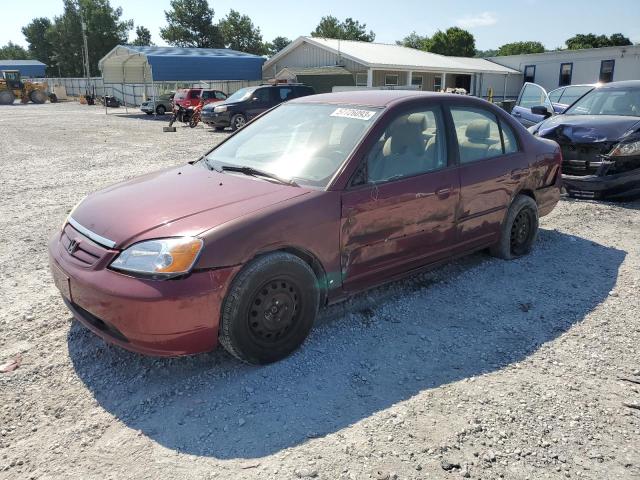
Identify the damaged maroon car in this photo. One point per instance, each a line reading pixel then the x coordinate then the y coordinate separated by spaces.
pixel 322 197
pixel 600 140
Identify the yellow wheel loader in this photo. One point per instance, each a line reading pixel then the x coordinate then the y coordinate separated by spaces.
pixel 12 87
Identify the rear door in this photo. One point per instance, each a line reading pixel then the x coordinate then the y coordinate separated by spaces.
pixel 491 166
pixel 531 95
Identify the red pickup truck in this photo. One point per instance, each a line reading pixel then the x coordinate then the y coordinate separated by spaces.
pixel 190 97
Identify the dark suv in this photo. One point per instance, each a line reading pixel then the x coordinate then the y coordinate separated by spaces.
pixel 247 103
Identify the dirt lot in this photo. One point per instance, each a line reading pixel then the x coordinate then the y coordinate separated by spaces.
pixel 481 369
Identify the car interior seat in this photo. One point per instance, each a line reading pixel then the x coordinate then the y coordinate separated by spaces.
pixel 478 142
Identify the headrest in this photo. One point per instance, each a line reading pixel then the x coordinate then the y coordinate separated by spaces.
pixel 478 130
pixel 406 135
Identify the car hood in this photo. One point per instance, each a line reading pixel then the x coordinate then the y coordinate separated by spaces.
pixel 588 128
pixel 211 106
pixel 186 200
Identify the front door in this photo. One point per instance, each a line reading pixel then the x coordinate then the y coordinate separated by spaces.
pixel 260 102
pixel 531 95
pixel 400 211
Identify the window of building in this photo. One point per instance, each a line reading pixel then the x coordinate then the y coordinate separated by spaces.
pixel 361 79
pixel 417 80
pixel 530 73
pixel 566 69
pixel 478 134
pixel 391 80
pixel 437 84
pixel 606 70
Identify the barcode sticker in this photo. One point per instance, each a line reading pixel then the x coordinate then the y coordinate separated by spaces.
pixel 353 113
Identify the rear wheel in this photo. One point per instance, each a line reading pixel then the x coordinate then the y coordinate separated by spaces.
pixel 160 110
pixel 7 97
pixel 38 96
pixel 269 309
pixel 238 121
pixel 519 230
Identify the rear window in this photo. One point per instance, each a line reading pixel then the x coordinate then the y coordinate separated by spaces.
pixel 181 94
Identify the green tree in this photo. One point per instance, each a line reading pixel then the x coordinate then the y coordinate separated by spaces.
pixel 104 30
pixel 519 48
pixel 277 44
pixel 349 29
pixel 240 34
pixel 37 36
pixel 590 40
pixel 486 53
pixel 413 40
pixel 11 51
pixel 143 37
pixel 455 41
pixel 190 24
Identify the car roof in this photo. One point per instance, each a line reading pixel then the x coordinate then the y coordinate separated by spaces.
pixel 371 98
pixel 623 83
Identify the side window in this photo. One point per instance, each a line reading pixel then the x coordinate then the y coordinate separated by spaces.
pixel 412 144
pixel 262 95
pixel 509 139
pixel 220 95
pixel 207 94
pixel 571 94
pixel 286 93
pixel 478 134
pixel 532 96
pixel 554 95
pixel 195 93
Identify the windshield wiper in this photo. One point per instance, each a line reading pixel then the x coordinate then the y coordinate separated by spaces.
pixel 254 172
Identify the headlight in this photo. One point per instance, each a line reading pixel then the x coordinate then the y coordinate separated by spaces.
pixel 626 149
pixel 165 257
pixel 220 109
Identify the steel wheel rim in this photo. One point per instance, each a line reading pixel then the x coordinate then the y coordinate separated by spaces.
pixel 239 122
pixel 521 229
pixel 274 311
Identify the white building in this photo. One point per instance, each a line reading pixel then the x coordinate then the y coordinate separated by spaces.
pixel 572 67
pixel 377 65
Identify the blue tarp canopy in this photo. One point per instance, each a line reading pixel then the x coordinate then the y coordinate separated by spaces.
pixel 28 68
pixel 133 64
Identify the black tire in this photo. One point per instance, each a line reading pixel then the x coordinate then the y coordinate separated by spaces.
pixel 161 110
pixel 519 229
pixel 38 96
pixel 7 97
pixel 149 113
pixel 269 308
pixel 238 121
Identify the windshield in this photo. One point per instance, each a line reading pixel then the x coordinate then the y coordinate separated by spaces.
pixel 240 95
pixel 306 143
pixel 608 101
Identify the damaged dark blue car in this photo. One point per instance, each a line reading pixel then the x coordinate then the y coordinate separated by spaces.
pixel 599 136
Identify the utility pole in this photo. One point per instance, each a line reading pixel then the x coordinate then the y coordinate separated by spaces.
pixel 85 52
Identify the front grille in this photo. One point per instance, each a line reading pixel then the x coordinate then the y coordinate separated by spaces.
pixel 86 251
pixel 583 159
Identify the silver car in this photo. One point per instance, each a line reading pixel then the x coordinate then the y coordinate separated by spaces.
pixel 161 105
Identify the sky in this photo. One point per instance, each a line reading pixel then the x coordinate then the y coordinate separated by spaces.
pixel 492 22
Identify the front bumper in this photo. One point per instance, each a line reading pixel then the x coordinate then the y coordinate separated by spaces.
pixel 213 119
pixel 160 318
pixel 620 185
pixel 147 108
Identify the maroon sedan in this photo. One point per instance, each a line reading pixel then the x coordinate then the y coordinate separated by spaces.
pixel 321 197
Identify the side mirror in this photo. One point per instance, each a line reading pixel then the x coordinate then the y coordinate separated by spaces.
pixel 541 110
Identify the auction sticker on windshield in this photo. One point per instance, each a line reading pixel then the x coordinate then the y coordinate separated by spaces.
pixel 353 113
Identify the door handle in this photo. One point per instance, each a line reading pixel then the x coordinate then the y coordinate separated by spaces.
pixel 443 193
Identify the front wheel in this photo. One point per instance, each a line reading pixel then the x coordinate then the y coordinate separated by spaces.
pixel 269 309
pixel 238 121
pixel 519 229
pixel 195 119
pixel 160 110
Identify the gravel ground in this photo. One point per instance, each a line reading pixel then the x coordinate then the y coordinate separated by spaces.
pixel 481 369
